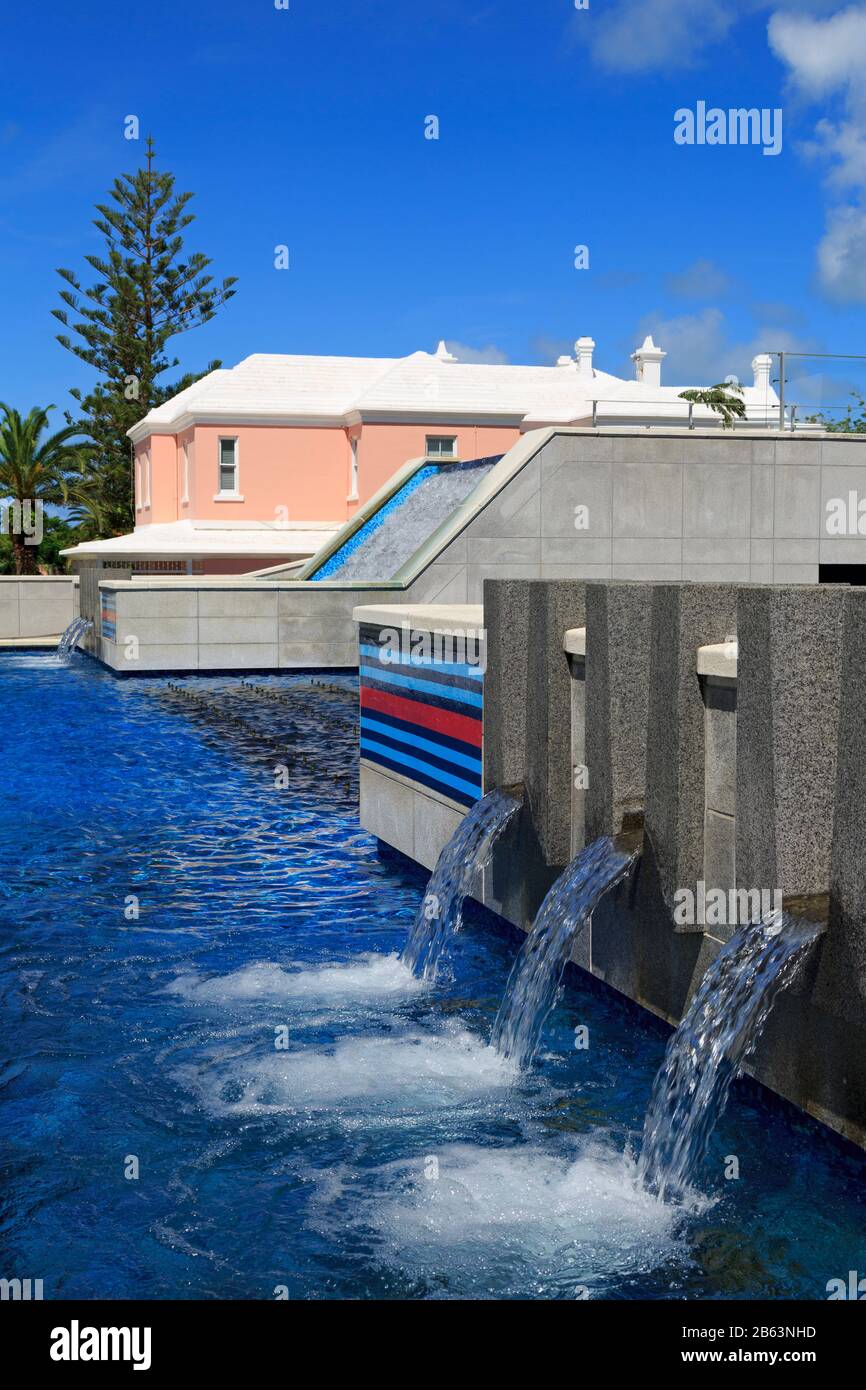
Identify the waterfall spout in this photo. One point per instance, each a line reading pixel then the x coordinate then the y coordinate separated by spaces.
pixel 73 635
pixel 712 1043
pixel 467 852
pixel 536 975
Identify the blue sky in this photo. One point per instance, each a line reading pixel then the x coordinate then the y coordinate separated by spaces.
pixel 306 127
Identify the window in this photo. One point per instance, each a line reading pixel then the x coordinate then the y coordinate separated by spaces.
pixel 353 472
pixel 138 484
pixel 228 466
pixel 441 446
pixel 185 475
pixel 145 472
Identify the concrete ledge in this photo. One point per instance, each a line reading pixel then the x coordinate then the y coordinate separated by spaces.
pixel 36 605
pixel 417 823
pixel 719 659
pixel 427 617
pixel 574 642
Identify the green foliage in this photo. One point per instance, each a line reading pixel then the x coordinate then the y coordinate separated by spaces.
pixel 35 467
pixel 147 292
pixel 853 422
pixel 57 535
pixel 722 398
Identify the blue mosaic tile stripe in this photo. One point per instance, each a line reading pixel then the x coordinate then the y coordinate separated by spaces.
pixel 108 612
pixel 373 523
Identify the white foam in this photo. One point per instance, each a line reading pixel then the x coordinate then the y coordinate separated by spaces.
pixel 515 1221
pixel 406 1072
pixel 372 977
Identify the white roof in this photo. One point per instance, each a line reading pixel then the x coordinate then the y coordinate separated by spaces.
pixel 277 388
pixel 201 539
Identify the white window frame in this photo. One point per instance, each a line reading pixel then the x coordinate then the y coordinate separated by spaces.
pixel 437 454
pixel 145 501
pixel 220 495
pixel 138 485
pixel 353 470
pixel 184 498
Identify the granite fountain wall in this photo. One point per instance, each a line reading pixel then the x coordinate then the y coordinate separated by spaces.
pixel 729 721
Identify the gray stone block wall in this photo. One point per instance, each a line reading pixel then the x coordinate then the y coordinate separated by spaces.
pixel 618 635
pixel 841 983
pixel 730 508
pixel 788 694
pixel 684 617
pixel 554 607
pixel 506 621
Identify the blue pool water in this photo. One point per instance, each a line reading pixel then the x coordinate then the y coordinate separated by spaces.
pixel 385 1152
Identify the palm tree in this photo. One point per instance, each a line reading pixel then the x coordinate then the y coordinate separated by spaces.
pixel 721 399
pixel 33 469
pixel 88 508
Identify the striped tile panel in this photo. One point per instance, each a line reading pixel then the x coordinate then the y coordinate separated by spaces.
pixel 422 718
pixel 109 617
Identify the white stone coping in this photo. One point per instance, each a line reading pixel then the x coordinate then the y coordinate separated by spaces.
pixel 719 659
pixel 189 582
pixel 423 617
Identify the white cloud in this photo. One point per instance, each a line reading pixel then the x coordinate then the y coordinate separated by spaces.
pixel 826 59
pixel 823 55
pixel 842 256
pixel 549 349
pixel 701 280
pixel 654 35
pixel 701 350
pixel 641 35
pixel 464 353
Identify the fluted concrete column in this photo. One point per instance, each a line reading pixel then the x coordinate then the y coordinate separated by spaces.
pixel 555 605
pixel 841 983
pixel 788 699
pixel 618 636
pixel 506 622
pixel 684 617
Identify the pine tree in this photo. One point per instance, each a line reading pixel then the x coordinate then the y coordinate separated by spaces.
pixel 146 294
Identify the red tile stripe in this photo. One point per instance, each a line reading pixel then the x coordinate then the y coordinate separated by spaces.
pixel 426 716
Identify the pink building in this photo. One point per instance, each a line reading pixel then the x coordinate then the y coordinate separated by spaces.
pixel 260 464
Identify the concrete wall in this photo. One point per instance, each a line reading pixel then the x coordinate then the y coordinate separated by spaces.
pixel 38 606
pixel 677 505
pixel 182 626
pixel 750 507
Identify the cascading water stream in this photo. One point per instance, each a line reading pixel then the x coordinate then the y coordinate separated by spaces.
pixel 72 635
pixel 712 1043
pixel 536 975
pixel 467 852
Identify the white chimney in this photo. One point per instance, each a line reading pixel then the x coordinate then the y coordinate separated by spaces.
pixel 583 350
pixel 761 367
pixel 442 353
pixel 565 361
pixel 648 362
